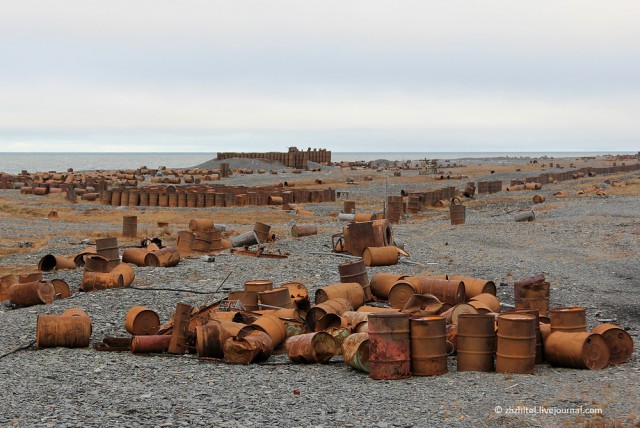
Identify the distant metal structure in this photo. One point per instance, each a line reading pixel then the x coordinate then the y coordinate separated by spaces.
pixel 294 158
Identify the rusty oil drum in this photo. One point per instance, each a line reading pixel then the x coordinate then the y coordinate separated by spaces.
pixel 428 346
pixel 32 293
pixel 352 291
pixel 141 321
pixel 381 284
pixel 380 256
pixel 249 299
pixel 334 306
pixel 130 226
pixel 389 346
pixel 570 320
pixel 155 344
pixel 258 285
pixel 532 293
pixel 254 346
pixel 210 338
pixel 270 324
pixel 475 286
pixel 68 331
pixel 619 341
pixel 539 341
pixel 166 257
pixel 356 271
pixel 516 350
pixel 317 347
pixel 278 297
pixel 447 291
pixel 576 350
pixel 400 293
pixel 457 214
pixel 355 351
pixel 476 342
pixel 300 230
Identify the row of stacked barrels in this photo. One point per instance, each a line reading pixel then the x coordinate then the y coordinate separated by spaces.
pixel 207 197
pixel 292 159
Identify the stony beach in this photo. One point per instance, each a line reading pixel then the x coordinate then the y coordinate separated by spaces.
pixel 587 246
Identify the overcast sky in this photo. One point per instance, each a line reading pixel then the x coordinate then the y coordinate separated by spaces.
pixel 344 75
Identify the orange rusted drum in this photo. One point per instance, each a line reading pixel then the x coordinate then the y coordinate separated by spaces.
pixel 32 293
pixel 532 293
pixel 203 239
pixel 270 324
pixel 62 288
pixel 353 320
pixel 249 299
pixel 381 284
pixel 185 241
pixel 51 262
pixel 5 282
pixel 327 321
pixel 356 271
pixel 516 349
pixel 538 199
pixel 400 293
pixel 573 319
pixel 317 347
pixel 254 346
pixel 380 256
pixel 619 341
pixel 92 281
pixel 141 321
pixel 98 263
pixel 278 297
pixel 355 351
pixel 201 224
pixel 300 230
pixel 66 331
pixel 428 346
pixel 364 217
pixel 374 309
pixel 258 285
pixel 128 275
pixel 30 277
pixel 210 338
pixel 154 344
pixel 481 308
pixel 352 291
pixel 166 257
pixel 382 233
pixel 298 293
pixel 539 341
pixel 76 312
pixel 457 214
pixel 262 232
pixel 348 207
pixel 447 291
pixel 476 342
pixel 389 346
pixel 475 286
pixel 576 350
pixel 135 256
pixel 453 314
pixel 488 299
pixel 130 226
pixel 335 306
pixel 108 248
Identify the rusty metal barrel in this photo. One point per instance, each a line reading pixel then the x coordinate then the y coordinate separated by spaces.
pixel 130 226
pixel 447 291
pixel 352 291
pixel 356 271
pixel 532 293
pixel 262 231
pixel 380 256
pixel 400 293
pixel 141 321
pixel 32 293
pixel 334 306
pixel 210 338
pixel 166 257
pixel 475 286
pixel 619 341
pixel 51 262
pixel 394 209
pixel 92 281
pixel 270 324
pixel 249 299
pixel 278 297
pixel 571 319
pixel 476 342
pixel 381 284
pixel 135 256
pixel 155 344
pixel 516 349
pixel 457 214
pixel 389 346
pixel 355 351
pixel 349 207
pixel 201 224
pixel 539 341
pixel 301 230
pixel 258 285
pixel 128 275
pixel 488 299
pixel 428 346
pixel 68 331
pixel 317 347
pixel 576 350
pixel 254 346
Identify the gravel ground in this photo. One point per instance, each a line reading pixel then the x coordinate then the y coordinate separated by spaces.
pixel 587 247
